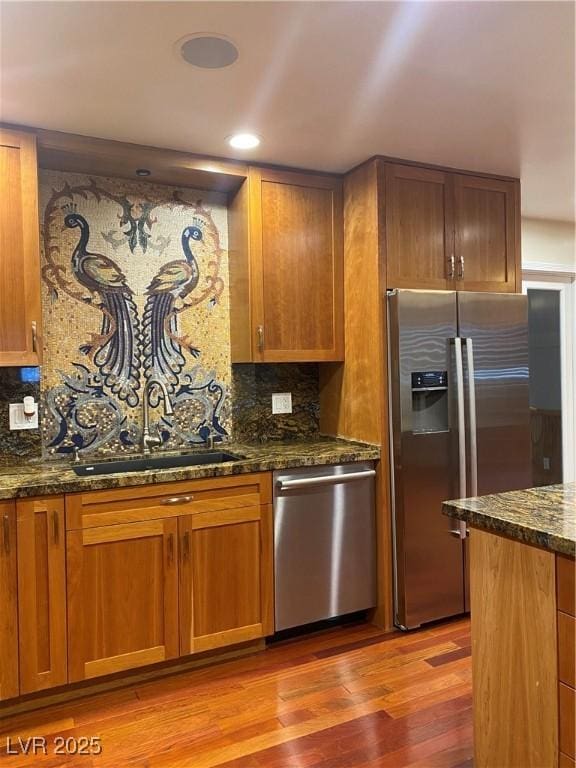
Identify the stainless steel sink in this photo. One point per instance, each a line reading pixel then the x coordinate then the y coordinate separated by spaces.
pixel 143 463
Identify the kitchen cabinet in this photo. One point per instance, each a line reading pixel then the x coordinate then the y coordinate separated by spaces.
pixel 486 229
pixel 41 593
pixel 122 596
pixel 168 569
pixel 286 261
pixel 20 310
pixel 9 685
pixel 450 231
pixel 226 583
pixel 419 227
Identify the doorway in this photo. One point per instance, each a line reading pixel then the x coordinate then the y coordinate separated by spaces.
pixel 551 360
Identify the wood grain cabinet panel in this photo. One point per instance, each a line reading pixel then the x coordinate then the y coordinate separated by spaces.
pixel 41 593
pixel 286 268
pixel 20 312
pixel 486 232
pixel 567 716
pixel 9 685
pixel 225 578
pixel 122 596
pixel 419 227
pixel 566 648
pixel 565 584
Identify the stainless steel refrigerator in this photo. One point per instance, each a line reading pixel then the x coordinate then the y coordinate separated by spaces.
pixel 459 411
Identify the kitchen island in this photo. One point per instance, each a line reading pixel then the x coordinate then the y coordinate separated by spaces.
pixel 522 547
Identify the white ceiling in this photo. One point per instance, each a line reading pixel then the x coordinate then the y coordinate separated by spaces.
pixel 487 86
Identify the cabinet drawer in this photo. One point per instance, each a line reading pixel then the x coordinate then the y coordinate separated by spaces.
pixel 157 501
pixel 566 714
pixel 566 648
pixel 565 584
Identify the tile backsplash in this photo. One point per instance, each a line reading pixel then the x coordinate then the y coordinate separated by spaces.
pixel 134 291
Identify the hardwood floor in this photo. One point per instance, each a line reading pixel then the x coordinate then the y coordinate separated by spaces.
pixel 348 697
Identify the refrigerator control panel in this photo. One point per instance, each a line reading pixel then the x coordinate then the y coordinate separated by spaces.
pixel 426 380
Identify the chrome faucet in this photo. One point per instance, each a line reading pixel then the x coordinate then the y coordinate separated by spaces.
pixel 149 441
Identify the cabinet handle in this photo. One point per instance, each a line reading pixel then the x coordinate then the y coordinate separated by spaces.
pixel 55 528
pixel 451 267
pixel 34 337
pixel 460 267
pixel 170 548
pixel 186 546
pixel 260 335
pixel 177 500
pixel 6 532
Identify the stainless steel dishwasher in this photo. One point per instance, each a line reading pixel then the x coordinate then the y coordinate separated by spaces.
pixel 324 542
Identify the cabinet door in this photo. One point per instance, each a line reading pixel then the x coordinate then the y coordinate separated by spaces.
pixel 20 313
pixel 41 593
pixel 486 233
pixel 122 597
pixel 226 579
pixel 419 228
pixel 9 612
pixel 296 266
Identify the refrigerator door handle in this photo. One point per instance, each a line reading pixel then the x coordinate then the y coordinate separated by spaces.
pixel 461 428
pixel 472 416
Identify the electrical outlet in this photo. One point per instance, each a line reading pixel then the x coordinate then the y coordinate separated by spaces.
pixel 282 402
pixel 546 462
pixel 19 421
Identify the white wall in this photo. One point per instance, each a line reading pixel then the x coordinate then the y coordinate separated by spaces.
pixel 545 240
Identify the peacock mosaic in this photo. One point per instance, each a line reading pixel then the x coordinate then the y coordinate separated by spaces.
pixel 135 295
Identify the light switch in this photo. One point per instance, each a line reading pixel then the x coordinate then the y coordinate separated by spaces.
pixel 282 402
pixel 19 421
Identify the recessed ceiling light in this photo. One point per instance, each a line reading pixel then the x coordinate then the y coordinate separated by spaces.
pixel 143 172
pixel 244 140
pixel 208 51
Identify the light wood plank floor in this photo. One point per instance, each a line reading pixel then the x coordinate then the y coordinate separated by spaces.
pixel 348 697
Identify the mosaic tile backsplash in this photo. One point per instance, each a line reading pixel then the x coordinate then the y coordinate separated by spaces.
pixel 134 292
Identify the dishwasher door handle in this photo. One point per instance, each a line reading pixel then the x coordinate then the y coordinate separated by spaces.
pixel 306 482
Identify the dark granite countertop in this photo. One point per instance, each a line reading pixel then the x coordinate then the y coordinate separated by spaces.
pixel 41 478
pixel 544 517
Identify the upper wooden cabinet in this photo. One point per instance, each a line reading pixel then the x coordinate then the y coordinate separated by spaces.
pixel 286 279
pixel 419 227
pixel 9 686
pixel 450 231
pixel 20 312
pixel 486 227
pixel 41 593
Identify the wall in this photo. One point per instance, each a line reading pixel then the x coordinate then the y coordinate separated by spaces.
pixel 134 289
pixel 548 241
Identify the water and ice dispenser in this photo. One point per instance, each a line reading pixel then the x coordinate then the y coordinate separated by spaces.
pixel 429 401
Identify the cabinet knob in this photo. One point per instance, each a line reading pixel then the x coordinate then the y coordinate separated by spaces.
pixel 260 337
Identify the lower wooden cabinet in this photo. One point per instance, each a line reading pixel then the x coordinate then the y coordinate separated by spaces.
pixel 9 685
pixel 41 593
pixel 122 597
pixel 226 583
